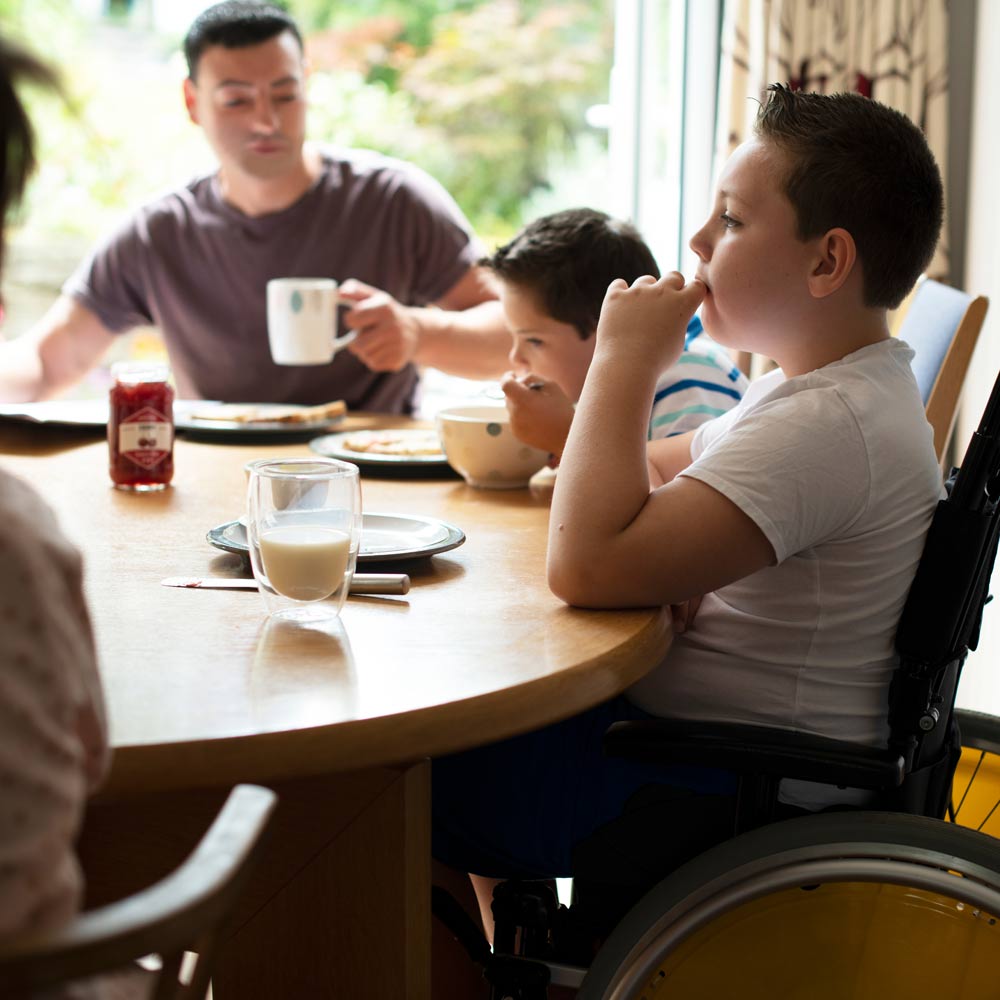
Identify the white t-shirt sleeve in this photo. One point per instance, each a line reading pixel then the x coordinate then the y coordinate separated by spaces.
pixel 790 483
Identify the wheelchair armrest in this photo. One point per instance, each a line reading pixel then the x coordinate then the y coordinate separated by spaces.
pixel 748 749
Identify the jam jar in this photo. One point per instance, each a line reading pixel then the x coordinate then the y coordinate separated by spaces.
pixel 141 426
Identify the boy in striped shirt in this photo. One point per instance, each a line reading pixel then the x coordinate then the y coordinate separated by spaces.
pixel 553 275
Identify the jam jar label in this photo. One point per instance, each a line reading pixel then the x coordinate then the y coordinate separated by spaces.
pixel 145 437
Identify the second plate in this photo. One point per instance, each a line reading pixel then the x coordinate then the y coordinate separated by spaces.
pixel 384 537
pixel 335 446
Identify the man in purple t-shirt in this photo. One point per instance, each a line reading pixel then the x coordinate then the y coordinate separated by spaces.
pixel 195 262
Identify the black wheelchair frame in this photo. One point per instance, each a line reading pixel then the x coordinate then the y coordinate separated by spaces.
pixel 940 623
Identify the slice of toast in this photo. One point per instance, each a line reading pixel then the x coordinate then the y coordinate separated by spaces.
pixel 255 413
pixel 410 442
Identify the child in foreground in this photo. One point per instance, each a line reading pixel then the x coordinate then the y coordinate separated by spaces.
pixel 54 749
pixel 553 275
pixel 797 519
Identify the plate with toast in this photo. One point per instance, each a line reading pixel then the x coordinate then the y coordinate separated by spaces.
pixel 391 447
pixel 192 415
pixel 256 418
pixel 207 415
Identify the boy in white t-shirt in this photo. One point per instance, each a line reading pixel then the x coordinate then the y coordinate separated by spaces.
pixel 805 507
pixel 552 276
pixel 795 521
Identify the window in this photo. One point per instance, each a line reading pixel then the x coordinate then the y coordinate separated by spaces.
pixel 663 97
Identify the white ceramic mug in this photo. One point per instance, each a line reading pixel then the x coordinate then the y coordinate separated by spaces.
pixel 302 321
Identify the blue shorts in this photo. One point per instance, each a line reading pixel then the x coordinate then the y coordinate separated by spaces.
pixel 518 808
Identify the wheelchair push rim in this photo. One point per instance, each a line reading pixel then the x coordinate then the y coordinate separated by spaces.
pixel 922 856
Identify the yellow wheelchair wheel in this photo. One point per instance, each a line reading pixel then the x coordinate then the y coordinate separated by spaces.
pixel 859 905
pixel 975 789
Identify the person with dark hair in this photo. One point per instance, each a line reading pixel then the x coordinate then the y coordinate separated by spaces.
pixel 235 24
pixel 53 731
pixel 17 138
pixel 786 532
pixel 195 263
pixel 896 207
pixel 553 275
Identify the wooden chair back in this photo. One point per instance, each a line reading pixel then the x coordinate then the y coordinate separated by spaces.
pixel 942 326
pixel 184 912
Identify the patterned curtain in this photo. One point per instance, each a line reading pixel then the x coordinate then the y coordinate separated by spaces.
pixel 895 51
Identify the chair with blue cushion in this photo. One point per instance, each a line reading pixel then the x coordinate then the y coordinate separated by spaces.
pixel 942 326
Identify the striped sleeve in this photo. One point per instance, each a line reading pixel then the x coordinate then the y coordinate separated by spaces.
pixel 702 385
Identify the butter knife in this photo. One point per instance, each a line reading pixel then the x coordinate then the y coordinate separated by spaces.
pixel 361 583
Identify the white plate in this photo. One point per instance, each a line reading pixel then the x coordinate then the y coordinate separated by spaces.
pixel 387 534
pixel 332 446
pixel 74 412
pixel 184 421
pixel 384 537
pixel 94 413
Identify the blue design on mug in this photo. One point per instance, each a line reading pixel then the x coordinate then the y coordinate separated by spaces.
pixel 493 429
pixel 296 301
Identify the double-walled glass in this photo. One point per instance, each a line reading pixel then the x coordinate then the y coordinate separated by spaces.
pixel 304 529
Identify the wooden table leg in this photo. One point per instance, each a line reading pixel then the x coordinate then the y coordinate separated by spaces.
pixel 340 905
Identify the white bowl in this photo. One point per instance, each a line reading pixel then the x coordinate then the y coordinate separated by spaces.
pixel 480 445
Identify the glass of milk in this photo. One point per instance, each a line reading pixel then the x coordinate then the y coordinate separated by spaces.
pixel 304 529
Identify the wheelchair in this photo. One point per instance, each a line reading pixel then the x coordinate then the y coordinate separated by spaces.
pixel 881 901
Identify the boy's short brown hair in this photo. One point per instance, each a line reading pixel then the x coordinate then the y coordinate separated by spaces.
pixel 862 166
pixel 569 258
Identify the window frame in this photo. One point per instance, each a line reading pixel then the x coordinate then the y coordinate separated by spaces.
pixel 663 121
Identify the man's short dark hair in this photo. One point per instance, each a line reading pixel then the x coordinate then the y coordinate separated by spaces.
pixel 568 259
pixel 235 24
pixel 862 166
pixel 17 137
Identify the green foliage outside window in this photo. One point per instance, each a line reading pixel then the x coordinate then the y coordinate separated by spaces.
pixel 485 107
pixel 484 94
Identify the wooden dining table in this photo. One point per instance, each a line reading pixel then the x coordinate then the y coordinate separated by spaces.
pixel 341 720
